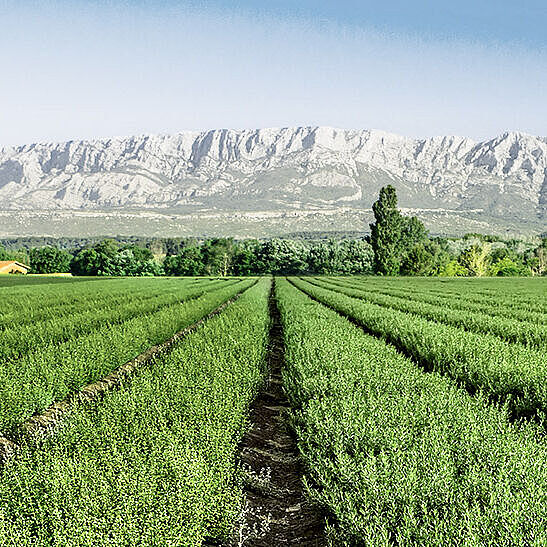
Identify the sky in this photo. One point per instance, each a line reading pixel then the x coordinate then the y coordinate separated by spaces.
pixel 89 69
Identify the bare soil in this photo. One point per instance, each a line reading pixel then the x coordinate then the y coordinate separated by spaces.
pixel 277 512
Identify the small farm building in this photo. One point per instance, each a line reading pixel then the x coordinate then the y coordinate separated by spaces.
pixel 12 266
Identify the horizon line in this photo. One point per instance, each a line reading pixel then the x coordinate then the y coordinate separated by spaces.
pixel 269 128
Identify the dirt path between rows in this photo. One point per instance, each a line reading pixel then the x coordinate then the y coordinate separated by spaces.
pixel 276 511
pixel 45 422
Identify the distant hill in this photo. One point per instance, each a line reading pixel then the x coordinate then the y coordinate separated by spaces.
pixel 270 182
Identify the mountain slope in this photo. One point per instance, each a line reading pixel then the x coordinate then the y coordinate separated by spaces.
pixel 276 170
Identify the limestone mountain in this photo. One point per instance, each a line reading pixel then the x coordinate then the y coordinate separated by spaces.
pixel 292 172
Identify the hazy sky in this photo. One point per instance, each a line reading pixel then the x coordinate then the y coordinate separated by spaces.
pixel 98 69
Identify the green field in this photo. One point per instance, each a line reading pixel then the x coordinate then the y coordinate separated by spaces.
pixel 418 408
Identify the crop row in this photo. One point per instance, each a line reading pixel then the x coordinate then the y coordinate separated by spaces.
pixel 527 333
pixel 510 373
pixel 154 463
pixel 397 455
pixel 515 293
pixel 50 372
pixel 39 306
pixel 20 297
pixel 23 299
pixel 495 308
pixel 20 281
pixel 19 339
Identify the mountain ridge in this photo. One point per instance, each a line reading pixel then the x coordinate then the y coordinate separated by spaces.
pixel 196 132
pixel 275 169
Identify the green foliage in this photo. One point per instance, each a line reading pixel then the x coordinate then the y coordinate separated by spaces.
pixel 540 258
pixel 275 256
pixel 476 259
pixel 508 267
pixel 415 450
pixel 399 242
pixel 418 261
pixel 188 262
pixel 357 257
pixel 454 296
pixel 245 259
pixel 52 344
pixel 414 254
pixel 325 258
pixel 4 254
pixel 386 233
pixel 217 256
pixel 108 258
pixel 86 262
pixel 283 256
pixel 413 232
pixel 510 373
pixel 212 257
pixel 398 456
pixel 31 280
pixel 453 269
pixel 47 260
pixel 438 310
pixel 153 463
pixel 345 257
pixel 18 255
pixel 537 262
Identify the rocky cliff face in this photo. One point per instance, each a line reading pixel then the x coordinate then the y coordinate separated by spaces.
pixel 276 169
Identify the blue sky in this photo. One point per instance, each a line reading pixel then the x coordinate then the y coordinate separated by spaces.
pixel 489 20
pixel 98 69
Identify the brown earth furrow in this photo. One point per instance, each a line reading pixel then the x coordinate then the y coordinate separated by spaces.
pixel 276 510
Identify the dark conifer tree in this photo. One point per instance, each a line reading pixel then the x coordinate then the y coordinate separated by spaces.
pixel 386 233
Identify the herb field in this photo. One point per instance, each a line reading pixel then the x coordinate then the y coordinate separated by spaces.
pixel 418 408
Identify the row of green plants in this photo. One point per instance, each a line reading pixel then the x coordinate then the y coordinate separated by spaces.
pixel 522 332
pixel 153 463
pixel 17 296
pixel 20 308
pixel 497 292
pixel 17 281
pixel 505 304
pixel 51 371
pixel 398 456
pixel 509 373
pixel 22 299
pixel 24 336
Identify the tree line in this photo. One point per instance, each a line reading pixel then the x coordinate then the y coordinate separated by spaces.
pixel 397 245
pixel 402 246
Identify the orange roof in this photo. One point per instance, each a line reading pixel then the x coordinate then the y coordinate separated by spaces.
pixel 4 263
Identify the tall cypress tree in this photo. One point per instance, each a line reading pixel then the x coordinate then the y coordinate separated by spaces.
pixel 386 233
